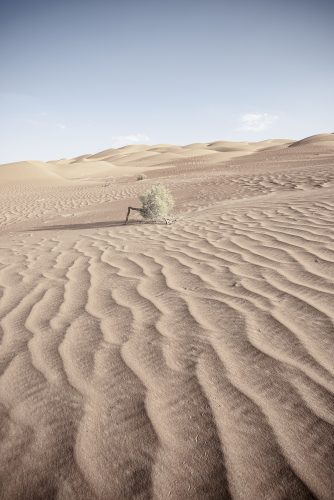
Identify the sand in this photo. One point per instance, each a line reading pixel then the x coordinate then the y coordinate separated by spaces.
pixel 183 361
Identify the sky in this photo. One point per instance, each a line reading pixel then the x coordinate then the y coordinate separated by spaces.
pixel 80 76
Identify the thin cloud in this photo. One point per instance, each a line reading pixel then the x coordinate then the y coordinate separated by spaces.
pixel 256 122
pixel 117 141
pixel 44 120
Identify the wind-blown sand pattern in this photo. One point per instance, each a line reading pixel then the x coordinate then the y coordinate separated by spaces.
pixel 190 361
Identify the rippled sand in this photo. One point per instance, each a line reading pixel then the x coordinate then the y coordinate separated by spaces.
pixel 184 361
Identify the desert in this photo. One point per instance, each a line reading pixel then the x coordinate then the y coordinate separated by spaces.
pixel 192 360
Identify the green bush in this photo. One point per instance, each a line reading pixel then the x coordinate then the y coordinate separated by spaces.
pixel 157 203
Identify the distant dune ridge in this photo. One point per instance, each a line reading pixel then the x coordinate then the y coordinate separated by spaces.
pixel 188 361
pixel 129 160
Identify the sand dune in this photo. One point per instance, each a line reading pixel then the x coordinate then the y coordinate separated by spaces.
pixel 130 160
pixel 190 361
pixel 322 139
pixel 27 171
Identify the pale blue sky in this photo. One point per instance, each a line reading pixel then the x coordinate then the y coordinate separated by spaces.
pixel 79 76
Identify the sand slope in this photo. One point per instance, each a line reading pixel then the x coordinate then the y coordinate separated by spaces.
pixel 191 361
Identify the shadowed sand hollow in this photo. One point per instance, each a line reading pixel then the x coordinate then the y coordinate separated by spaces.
pixel 190 361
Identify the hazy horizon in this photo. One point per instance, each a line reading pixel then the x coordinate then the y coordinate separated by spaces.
pixel 80 77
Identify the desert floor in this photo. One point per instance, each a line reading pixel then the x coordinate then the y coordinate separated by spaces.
pixel 183 361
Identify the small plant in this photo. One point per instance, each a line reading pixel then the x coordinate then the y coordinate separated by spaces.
pixel 141 177
pixel 157 204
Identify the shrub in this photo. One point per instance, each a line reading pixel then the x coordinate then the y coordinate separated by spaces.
pixel 157 203
pixel 141 177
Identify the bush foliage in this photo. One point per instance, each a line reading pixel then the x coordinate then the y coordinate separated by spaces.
pixel 157 202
